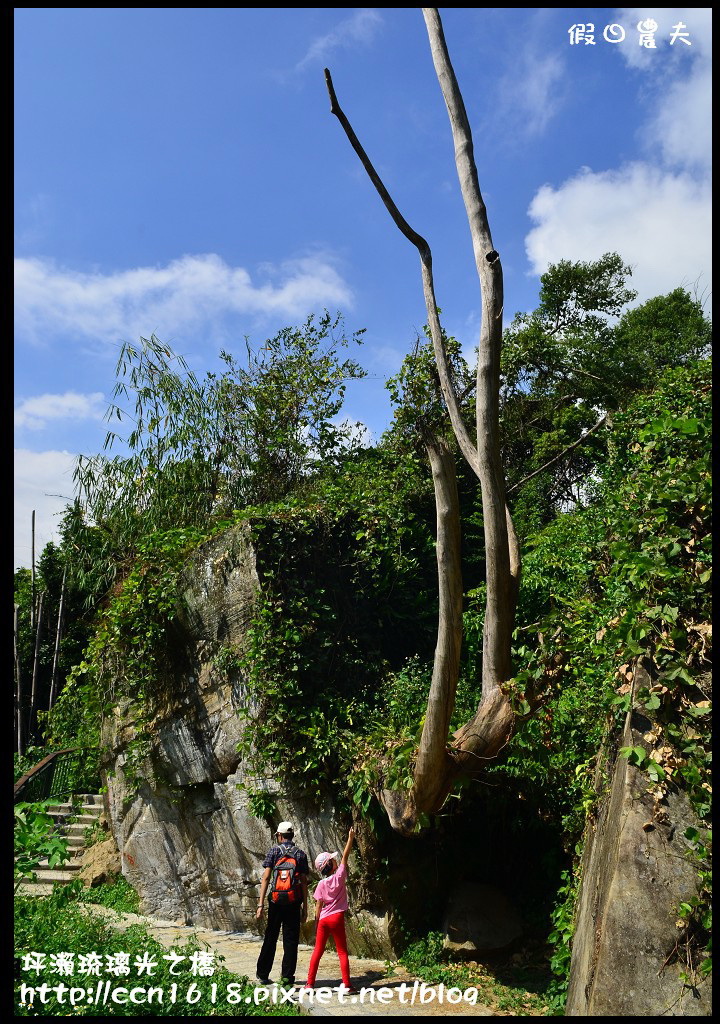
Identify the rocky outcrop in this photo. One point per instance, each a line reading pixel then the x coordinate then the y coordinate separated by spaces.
pixel 100 863
pixel 479 919
pixel 179 801
pixel 627 957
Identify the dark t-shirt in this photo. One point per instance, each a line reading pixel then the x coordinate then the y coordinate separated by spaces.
pixel 277 851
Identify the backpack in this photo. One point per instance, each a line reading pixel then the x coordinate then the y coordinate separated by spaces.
pixel 286 887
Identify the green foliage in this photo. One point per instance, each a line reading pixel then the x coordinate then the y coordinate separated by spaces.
pixel 339 607
pixel 36 839
pixel 118 895
pixel 60 923
pixel 513 989
pixel 262 805
pixel 74 634
pixel 567 360
pixel 95 833
pixel 197 450
pixel 32 755
pixel 126 660
pixel 624 581
pixel 282 409
pixel 626 578
pixel 666 331
pixel 416 394
pixel 563 920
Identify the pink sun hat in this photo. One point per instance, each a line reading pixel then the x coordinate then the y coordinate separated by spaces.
pixel 322 859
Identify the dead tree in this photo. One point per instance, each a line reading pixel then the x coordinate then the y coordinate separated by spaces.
pixel 32 717
pixel 439 761
pixel 58 638
pixel 19 721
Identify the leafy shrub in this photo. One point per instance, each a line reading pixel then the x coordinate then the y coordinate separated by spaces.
pixel 118 895
pixel 60 924
pixel 37 839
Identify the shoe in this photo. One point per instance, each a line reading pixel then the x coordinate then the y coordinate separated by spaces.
pixel 352 991
pixel 263 981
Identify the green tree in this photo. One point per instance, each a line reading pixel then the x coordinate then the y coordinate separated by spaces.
pixel 567 312
pixel 58 648
pixel 280 412
pixel 199 449
pixel 572 361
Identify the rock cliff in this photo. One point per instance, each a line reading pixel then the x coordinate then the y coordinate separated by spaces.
pixel 188 839
pixel 628 951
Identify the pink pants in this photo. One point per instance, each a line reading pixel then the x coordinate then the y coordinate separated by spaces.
pixel 333 924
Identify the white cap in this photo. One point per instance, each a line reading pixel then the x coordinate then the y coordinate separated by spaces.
pixel 284 827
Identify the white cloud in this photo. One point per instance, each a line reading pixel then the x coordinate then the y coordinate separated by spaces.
pixel 655 213
pixel 43 484
pixel 684 125
pixel 358 433
pixel 192 292
pixel 360 28
pixel 529 94
pixel 657 221
pixel 678 82
pixel 697 22
pixel 35 412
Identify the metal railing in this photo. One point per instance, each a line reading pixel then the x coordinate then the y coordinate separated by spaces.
pixel 60 774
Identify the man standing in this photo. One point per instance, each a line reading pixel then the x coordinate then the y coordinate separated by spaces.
pixel 286 877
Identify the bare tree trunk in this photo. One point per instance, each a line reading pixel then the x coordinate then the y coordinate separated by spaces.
pixel 58 637
pixel 32 572
pixel 32 717
pixel 19 723
pixel 492 725
pixel 500 608
pixel 446 666
pixel 489 730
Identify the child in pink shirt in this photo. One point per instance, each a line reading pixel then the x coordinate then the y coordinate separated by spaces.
pixel 330 906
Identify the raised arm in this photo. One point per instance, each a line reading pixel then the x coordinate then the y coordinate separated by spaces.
pixel 348 846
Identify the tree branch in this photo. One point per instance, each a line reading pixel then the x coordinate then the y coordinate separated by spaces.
pixel 562 454
pixel 502 583
pixel 446 383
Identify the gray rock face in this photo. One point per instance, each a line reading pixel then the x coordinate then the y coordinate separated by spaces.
pixel 479 918
pixel 635 873
pixel 188 840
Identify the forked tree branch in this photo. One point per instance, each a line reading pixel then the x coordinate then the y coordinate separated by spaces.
pixel 446 382
pixel 563 453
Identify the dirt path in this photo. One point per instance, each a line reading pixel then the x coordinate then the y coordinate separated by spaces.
pixel 381 994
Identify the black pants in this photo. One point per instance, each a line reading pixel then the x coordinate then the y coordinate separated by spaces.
pixel 288 918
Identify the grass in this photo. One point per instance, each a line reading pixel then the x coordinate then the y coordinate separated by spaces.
pixel 517 984
pixel 58 939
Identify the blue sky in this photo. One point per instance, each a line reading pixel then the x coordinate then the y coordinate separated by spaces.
pixel 179 172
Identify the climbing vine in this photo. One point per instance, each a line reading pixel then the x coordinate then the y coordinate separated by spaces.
pixel 124 665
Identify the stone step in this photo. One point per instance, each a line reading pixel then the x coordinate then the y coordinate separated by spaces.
pixel 70 811
pixel 55 876
pixel 44 865
pixel 76 831
pixel 72 821
pixel 35 888
pixel 64 874
pixel 84 820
